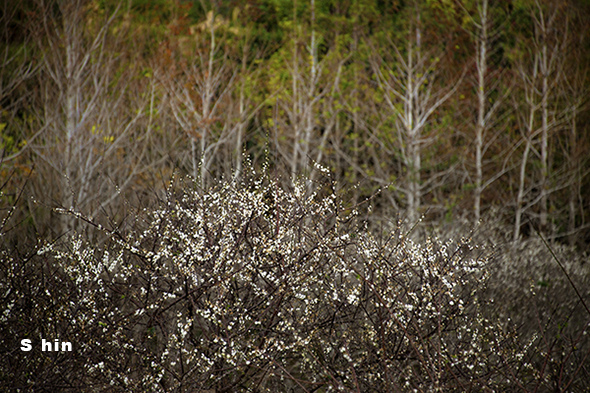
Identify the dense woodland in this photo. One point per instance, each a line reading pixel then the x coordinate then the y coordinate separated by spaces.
pixel 249 195
pixel 450 108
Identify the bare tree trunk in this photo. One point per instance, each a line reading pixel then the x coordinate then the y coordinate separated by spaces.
pixel 484 33
pixel 544 69
pixel 72 80
pixel 241 128
pixel 521 184
pixel 544 134
pixel 413 161
pixel 574 188
pixel 241 116
pixel 481 64
pixel 296 110
pixel 551 45
pixel 310 107
pixel 529 134
pixel 206 99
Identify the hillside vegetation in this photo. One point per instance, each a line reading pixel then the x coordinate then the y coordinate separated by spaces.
pixel 279 195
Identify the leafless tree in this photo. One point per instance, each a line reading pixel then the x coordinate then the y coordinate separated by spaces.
pixel 310 108
pixel 550 42
pixel 408 80
pixel 487 83
pixel 90 140
pixel 539 74
pixel 200 90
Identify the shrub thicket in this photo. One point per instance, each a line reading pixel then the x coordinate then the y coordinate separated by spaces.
pixel 261 287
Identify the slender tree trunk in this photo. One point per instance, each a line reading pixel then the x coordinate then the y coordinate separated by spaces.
pixel 309 107
pixel 195 158
pixel 551 45
pixel 72 81
pixel 241 125
pixel 574 188
pixel 544 125
pixel 207 102
pixel 295 116
pixel 481 64
pixel 521 186
pixel 523 164
pixel 413 128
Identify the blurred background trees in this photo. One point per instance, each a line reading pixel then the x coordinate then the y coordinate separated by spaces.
pixel 452 108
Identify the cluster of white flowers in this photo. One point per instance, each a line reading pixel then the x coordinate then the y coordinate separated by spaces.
pixel 261 285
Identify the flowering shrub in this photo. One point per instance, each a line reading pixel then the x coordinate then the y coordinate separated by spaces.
pixel 256 287
pixel 544 290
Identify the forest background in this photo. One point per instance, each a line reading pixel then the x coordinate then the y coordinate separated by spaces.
pixel 452 108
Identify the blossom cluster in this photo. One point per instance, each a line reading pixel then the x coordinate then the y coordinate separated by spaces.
pixel 262 287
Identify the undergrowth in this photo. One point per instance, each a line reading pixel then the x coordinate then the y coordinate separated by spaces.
pixel 260 287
